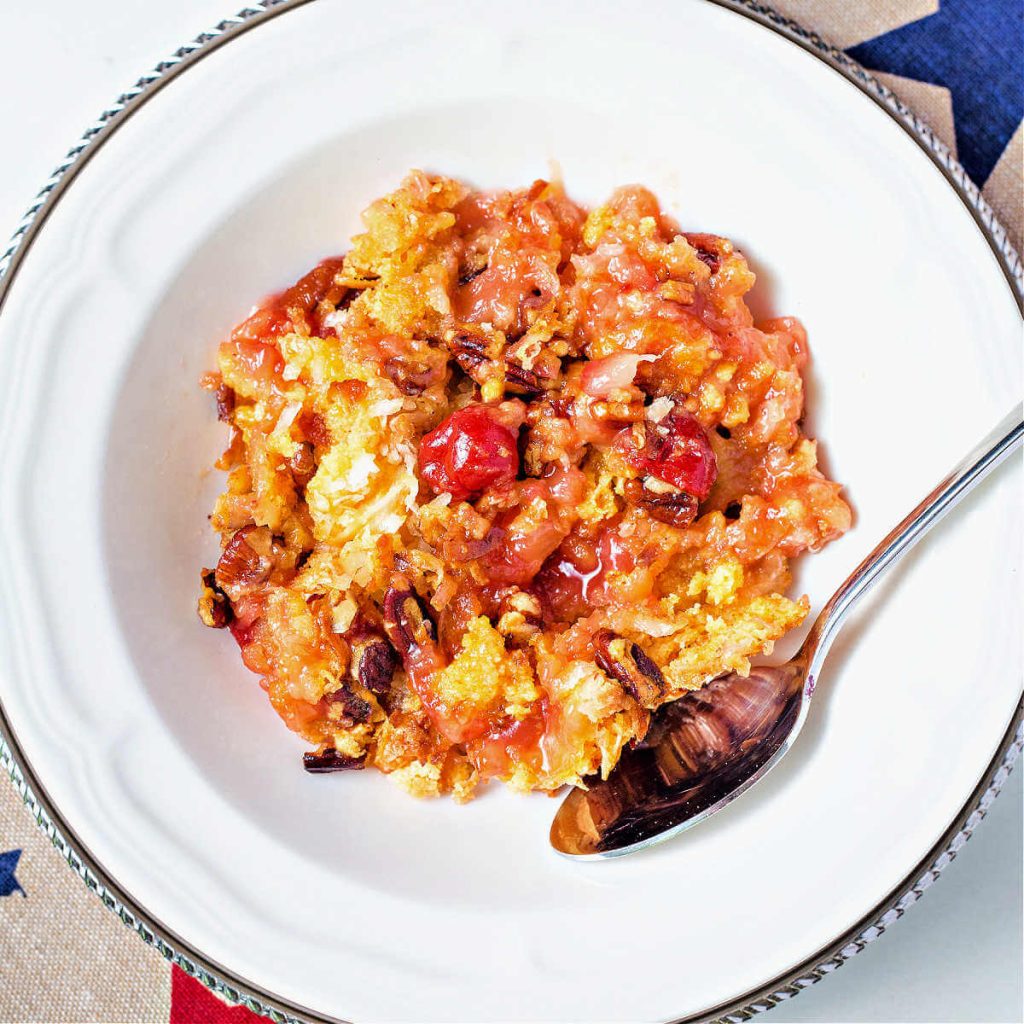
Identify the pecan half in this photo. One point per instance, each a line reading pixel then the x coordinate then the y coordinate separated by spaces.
pixel 627 662
pixel 329 760
pixel 214 606
pixel 663 502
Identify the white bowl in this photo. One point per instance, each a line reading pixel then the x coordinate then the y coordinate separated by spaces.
pixel 156 751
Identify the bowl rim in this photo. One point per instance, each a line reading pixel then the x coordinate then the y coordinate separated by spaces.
pixel 241 991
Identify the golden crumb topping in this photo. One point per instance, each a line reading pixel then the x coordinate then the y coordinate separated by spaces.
pixel 504 479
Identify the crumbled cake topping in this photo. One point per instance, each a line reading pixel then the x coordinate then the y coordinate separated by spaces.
pixel 503 480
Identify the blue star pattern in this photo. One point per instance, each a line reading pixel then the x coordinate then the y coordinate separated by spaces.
pixel 8 883
pixel 975 48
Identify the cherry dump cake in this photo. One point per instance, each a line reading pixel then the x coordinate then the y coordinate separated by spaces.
pixel 505 478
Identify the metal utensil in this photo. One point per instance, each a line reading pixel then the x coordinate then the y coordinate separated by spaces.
pixel 708 747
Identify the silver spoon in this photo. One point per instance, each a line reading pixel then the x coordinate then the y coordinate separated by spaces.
pixel 708 747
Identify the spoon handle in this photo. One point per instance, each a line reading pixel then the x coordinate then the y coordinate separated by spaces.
pixel 960 481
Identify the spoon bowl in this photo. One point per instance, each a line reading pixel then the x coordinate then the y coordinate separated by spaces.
pixel 701 752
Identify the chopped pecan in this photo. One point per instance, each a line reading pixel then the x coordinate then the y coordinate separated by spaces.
pixel 522 381
pixel 522 602
pixel 409 376
pixel 329 760
pixel 349 709
pixel 405 619
pixel 709 259
pixel 605 411
pixel 225 402
pixel 542 359
pixel 316 295
pixel 705 246
pixel 551 436
pixel 470 353
pixel 214 606
pixel 663 502
pixel 520 616
pixel 341 296
pixel 301 307
pixel 476 361
pixel 651 378
pixel 373 663
pixel 302 464
pixel 248 560
pixel 465 605
pixel 627 662
pixel 473 262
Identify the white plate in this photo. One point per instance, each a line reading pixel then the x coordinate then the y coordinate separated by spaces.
pixel 156 752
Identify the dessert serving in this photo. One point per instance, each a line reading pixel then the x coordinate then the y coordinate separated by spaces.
pixel 504 479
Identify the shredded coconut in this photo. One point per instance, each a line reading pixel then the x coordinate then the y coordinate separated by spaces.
pixel 659 409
